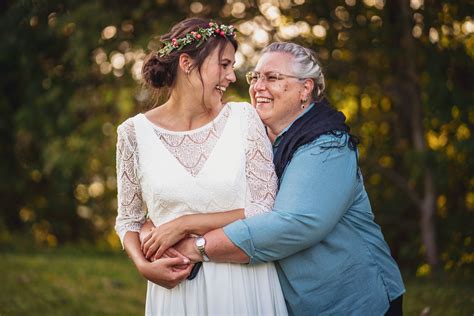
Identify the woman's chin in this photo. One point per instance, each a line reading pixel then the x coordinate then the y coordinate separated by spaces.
pixel 263 107
pixel 263 114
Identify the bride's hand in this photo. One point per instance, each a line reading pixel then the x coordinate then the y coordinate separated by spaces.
pixel 172 253
pixel 145 230
pixel 163 237
pixel 165 271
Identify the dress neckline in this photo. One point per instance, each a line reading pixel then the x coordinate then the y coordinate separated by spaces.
pixel 162 130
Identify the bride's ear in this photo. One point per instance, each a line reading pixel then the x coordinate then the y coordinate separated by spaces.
pixel 185 63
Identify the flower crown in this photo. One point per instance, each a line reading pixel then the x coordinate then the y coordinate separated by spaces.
pixel 201 35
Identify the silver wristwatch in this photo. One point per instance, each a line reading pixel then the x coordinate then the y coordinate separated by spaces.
pixel 200 244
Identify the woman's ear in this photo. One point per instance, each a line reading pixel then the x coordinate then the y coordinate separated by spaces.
pixel 185 63
pixel 307 91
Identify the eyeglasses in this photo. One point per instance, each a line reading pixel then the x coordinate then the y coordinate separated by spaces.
pixel 270 77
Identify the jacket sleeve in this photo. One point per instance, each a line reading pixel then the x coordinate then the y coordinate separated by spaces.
pixel 317 189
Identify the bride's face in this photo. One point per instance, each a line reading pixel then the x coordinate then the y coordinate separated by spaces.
pixel 217 74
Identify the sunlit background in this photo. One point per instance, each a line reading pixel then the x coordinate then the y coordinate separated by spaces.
pixel 401 71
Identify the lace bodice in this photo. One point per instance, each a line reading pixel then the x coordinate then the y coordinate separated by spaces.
pixel 192 150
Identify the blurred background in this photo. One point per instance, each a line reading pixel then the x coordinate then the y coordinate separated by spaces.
pixel 401 71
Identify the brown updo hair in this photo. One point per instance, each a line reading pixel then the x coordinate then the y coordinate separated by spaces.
pixel 159 72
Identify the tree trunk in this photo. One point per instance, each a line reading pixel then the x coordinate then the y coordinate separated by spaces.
pixel 409 100
pixel 427 221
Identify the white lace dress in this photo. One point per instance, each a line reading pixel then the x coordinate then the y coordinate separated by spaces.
pixel 224 165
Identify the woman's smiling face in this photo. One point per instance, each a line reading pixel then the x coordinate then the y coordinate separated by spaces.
pixel 277 93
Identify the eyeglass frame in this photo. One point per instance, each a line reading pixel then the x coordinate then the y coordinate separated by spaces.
pixel 265 76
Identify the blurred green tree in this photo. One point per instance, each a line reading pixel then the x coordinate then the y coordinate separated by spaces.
pixel 401 71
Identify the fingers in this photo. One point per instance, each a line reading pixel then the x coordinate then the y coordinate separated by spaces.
pixel 169 272
pixel 151 250
pixel 175 253
pixel 170 262
pixel 183 274
pixel 146 239
pixel 167 253
pixel 171 252
pixel 180 267
pixel 162 249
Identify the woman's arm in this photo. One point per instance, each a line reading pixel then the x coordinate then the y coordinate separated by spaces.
pixel 218 248
pixel 318 187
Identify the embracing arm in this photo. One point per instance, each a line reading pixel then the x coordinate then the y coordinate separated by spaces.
pixel 200 224
pixel 318 188
pixel 261 191
pixel 316 191
pixel 156 240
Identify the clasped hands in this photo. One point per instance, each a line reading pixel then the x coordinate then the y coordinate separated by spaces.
pixel 163 243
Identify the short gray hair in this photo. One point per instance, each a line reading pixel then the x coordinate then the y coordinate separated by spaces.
pixel 306 64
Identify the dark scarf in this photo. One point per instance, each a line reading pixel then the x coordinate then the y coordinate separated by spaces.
pixel 321 119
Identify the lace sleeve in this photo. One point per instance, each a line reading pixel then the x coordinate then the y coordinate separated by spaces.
pixel 131 213
pixel 260 171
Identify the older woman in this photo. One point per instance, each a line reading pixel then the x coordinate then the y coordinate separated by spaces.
pixel 332 257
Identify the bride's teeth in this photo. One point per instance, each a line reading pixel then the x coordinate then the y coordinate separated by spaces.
pixel 221 88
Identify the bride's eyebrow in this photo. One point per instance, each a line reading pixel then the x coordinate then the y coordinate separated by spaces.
pixel 228 60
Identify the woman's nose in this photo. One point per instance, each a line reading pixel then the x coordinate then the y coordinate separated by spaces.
pixel 259 85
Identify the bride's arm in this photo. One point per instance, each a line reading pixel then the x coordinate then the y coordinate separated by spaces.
pixel 156 240
pixel 131 215
pixel 261 190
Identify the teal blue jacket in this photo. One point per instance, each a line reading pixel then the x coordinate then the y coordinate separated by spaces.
pixel 331 256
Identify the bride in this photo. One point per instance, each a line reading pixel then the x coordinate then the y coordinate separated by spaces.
pixel 195 155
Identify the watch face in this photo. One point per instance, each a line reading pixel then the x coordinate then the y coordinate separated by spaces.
pixel 200 242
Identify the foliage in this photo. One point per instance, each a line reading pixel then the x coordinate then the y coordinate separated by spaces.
pixel 71 74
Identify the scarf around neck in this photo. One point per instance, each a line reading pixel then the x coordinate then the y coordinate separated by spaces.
pixel 319 120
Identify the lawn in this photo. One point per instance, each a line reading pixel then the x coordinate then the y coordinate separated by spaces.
pixel 61 283
pixel 70 284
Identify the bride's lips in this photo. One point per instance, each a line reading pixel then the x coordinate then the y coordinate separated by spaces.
pixel 221 89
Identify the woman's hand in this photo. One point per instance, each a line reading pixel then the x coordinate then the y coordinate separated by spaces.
pixel 187 247
pixel 166 272
pixel 172 253
pixel 162 237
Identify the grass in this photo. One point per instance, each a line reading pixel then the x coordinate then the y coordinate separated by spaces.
pixel 62 283
pixel 438 296
pixel 69 284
